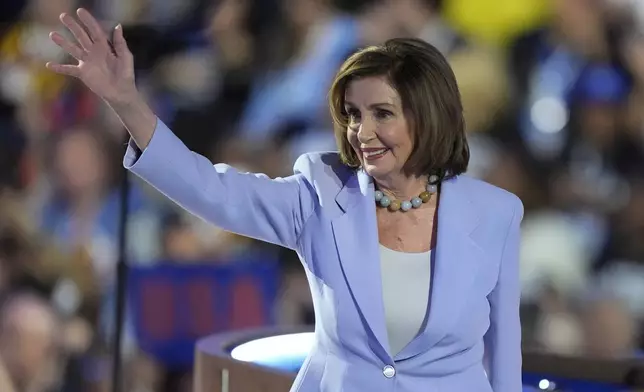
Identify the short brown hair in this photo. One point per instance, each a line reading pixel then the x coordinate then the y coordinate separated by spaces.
pixel 429 93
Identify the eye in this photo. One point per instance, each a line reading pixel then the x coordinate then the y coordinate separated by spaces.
pixel 383 114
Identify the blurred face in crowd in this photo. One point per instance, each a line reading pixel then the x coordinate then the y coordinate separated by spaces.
pixel 580 22
pixel 80 163
pixel 182 243
pixel 27 338
pixel 378 129
pixel 303 13
pixel 47 11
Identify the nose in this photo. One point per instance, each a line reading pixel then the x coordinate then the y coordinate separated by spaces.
pixel 366 132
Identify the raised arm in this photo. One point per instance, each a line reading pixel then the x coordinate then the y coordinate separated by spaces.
pixel 503 339
pixel 254 205
pixel 247 204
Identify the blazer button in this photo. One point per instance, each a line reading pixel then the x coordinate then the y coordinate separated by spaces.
pixel 389 371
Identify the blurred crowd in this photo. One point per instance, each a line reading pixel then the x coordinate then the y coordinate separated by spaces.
pixel 554 102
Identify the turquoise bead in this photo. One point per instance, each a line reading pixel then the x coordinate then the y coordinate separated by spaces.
pixel 385 201
pixel 378 195
pixel 416 202
pixel 405 205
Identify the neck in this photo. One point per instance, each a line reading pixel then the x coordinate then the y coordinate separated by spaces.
pixel 402 188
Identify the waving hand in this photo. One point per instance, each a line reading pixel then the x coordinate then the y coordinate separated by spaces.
pixel 106 68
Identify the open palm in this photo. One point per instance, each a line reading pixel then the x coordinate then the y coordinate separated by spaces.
pixel 107 69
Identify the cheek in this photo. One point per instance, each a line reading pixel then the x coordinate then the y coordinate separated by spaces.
pixel 397 138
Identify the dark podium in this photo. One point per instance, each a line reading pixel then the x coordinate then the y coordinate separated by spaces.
pixel 267 360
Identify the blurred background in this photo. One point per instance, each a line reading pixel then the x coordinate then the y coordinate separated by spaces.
pixel 554 105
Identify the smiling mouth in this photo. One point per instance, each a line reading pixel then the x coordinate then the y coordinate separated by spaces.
pixel 374 154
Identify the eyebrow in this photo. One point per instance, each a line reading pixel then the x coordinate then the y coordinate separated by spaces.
pixel 373 105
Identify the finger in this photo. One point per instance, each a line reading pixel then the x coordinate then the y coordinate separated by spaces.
pixel 120 45
pixel 64 69
pixel 71 48
pixel 78 32
pixel 95 30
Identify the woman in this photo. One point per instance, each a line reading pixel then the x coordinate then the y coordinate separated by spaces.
pixel 365 222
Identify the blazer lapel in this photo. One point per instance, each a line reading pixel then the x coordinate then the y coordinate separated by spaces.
pixel 457 258
pixel 356 237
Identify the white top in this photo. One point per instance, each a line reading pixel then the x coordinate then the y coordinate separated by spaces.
pixel 406 280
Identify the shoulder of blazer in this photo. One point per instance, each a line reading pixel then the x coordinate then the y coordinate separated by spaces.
pixel 492 201
pixel 324 173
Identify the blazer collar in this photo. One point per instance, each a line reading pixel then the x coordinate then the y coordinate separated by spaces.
pixel 356 185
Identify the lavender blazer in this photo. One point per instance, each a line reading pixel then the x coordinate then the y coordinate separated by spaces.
pixel 325 212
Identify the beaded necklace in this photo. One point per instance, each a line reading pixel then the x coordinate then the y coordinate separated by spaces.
pixel 385 201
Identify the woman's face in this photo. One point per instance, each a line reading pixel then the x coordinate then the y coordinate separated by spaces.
pixel 378 129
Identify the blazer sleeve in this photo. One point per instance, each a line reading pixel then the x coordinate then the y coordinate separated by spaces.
pixel 252 205
pixel 503 339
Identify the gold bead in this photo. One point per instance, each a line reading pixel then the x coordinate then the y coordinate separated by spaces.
pixel 394 206
pixel 425 196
